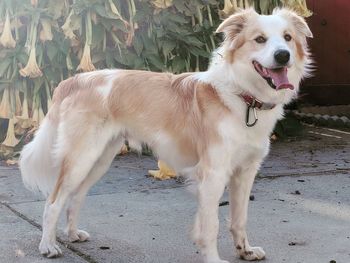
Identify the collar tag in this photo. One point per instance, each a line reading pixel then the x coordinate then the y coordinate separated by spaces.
pixel 255 115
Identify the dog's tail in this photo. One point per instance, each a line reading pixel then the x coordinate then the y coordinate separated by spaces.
pixel 38 169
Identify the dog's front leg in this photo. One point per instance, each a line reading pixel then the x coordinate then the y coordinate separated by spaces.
pixel 240 186
pixel 206 227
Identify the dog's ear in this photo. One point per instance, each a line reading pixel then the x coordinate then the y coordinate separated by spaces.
pixel 298 21
pixel 235 23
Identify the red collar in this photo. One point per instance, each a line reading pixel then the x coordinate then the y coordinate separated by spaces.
pixel 253 102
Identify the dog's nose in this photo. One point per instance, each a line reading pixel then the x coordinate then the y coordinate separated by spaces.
pixel 282 56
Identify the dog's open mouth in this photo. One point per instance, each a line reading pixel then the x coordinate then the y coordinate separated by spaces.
pixel 277 78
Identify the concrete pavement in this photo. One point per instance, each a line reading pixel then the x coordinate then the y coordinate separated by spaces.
pixel 300 213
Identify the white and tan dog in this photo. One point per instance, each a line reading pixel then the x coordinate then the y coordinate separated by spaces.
pixel 211 126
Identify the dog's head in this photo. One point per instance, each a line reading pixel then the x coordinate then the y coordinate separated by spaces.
pixel 268 54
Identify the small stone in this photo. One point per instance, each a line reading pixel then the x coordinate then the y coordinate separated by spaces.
pixel 224 203
pixel 104 247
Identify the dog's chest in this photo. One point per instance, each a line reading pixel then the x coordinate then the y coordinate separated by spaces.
pixel 243 145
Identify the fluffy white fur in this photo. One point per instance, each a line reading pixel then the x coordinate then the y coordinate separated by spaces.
pixel 93 113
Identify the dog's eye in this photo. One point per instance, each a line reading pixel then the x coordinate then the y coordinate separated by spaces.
pixel 260 40
pixel 287 37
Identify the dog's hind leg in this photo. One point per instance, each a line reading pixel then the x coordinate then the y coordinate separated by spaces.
pixel 80 151
pixel 240 186
pixel 100 168
pixel 206 227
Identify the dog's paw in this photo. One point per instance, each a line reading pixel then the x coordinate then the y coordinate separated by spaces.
pixel 50 250
pixel 253 253
pixel 78 236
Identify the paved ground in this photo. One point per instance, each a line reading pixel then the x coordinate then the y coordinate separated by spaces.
pixel 132 218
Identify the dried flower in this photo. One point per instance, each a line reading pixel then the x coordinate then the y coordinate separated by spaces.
pixel 6 38
pixel 115 10
pixel 32 69
pixel 164 172
pixel 85 62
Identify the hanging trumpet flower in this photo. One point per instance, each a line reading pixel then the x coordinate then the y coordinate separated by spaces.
pixel 6 38
pixel 34 3
pixel 46 32
pixel 299 6
pixel 67 28
pixel 32 69
pixel 230 7
pixel 162 4
pixel 23 120
pixel 5 106
pixel 86 62
pixel 11 140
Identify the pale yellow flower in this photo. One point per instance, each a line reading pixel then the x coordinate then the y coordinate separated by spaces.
pixel 6 38
pixel 85 62
pixel 67 28
pixel 32 69
pixel 230 7
pixel 5 106
pixel 34 2
pixel 11 140
pixel 162 4
pixel 23 120
pixel 46 32
pixel 299 6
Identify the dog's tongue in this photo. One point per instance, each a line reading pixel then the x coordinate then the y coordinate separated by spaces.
pixel 280 78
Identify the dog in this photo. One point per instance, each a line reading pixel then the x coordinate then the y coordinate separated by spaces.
pixel 213 127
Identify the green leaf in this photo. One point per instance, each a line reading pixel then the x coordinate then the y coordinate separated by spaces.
pixel 138 45
pixel 97 34
pixel 155 61
pixel 199 52
pixel 51 50
pixel 168 46
pixel 191 40
pixel 178 18
pixel 178 64
pixel 4 64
